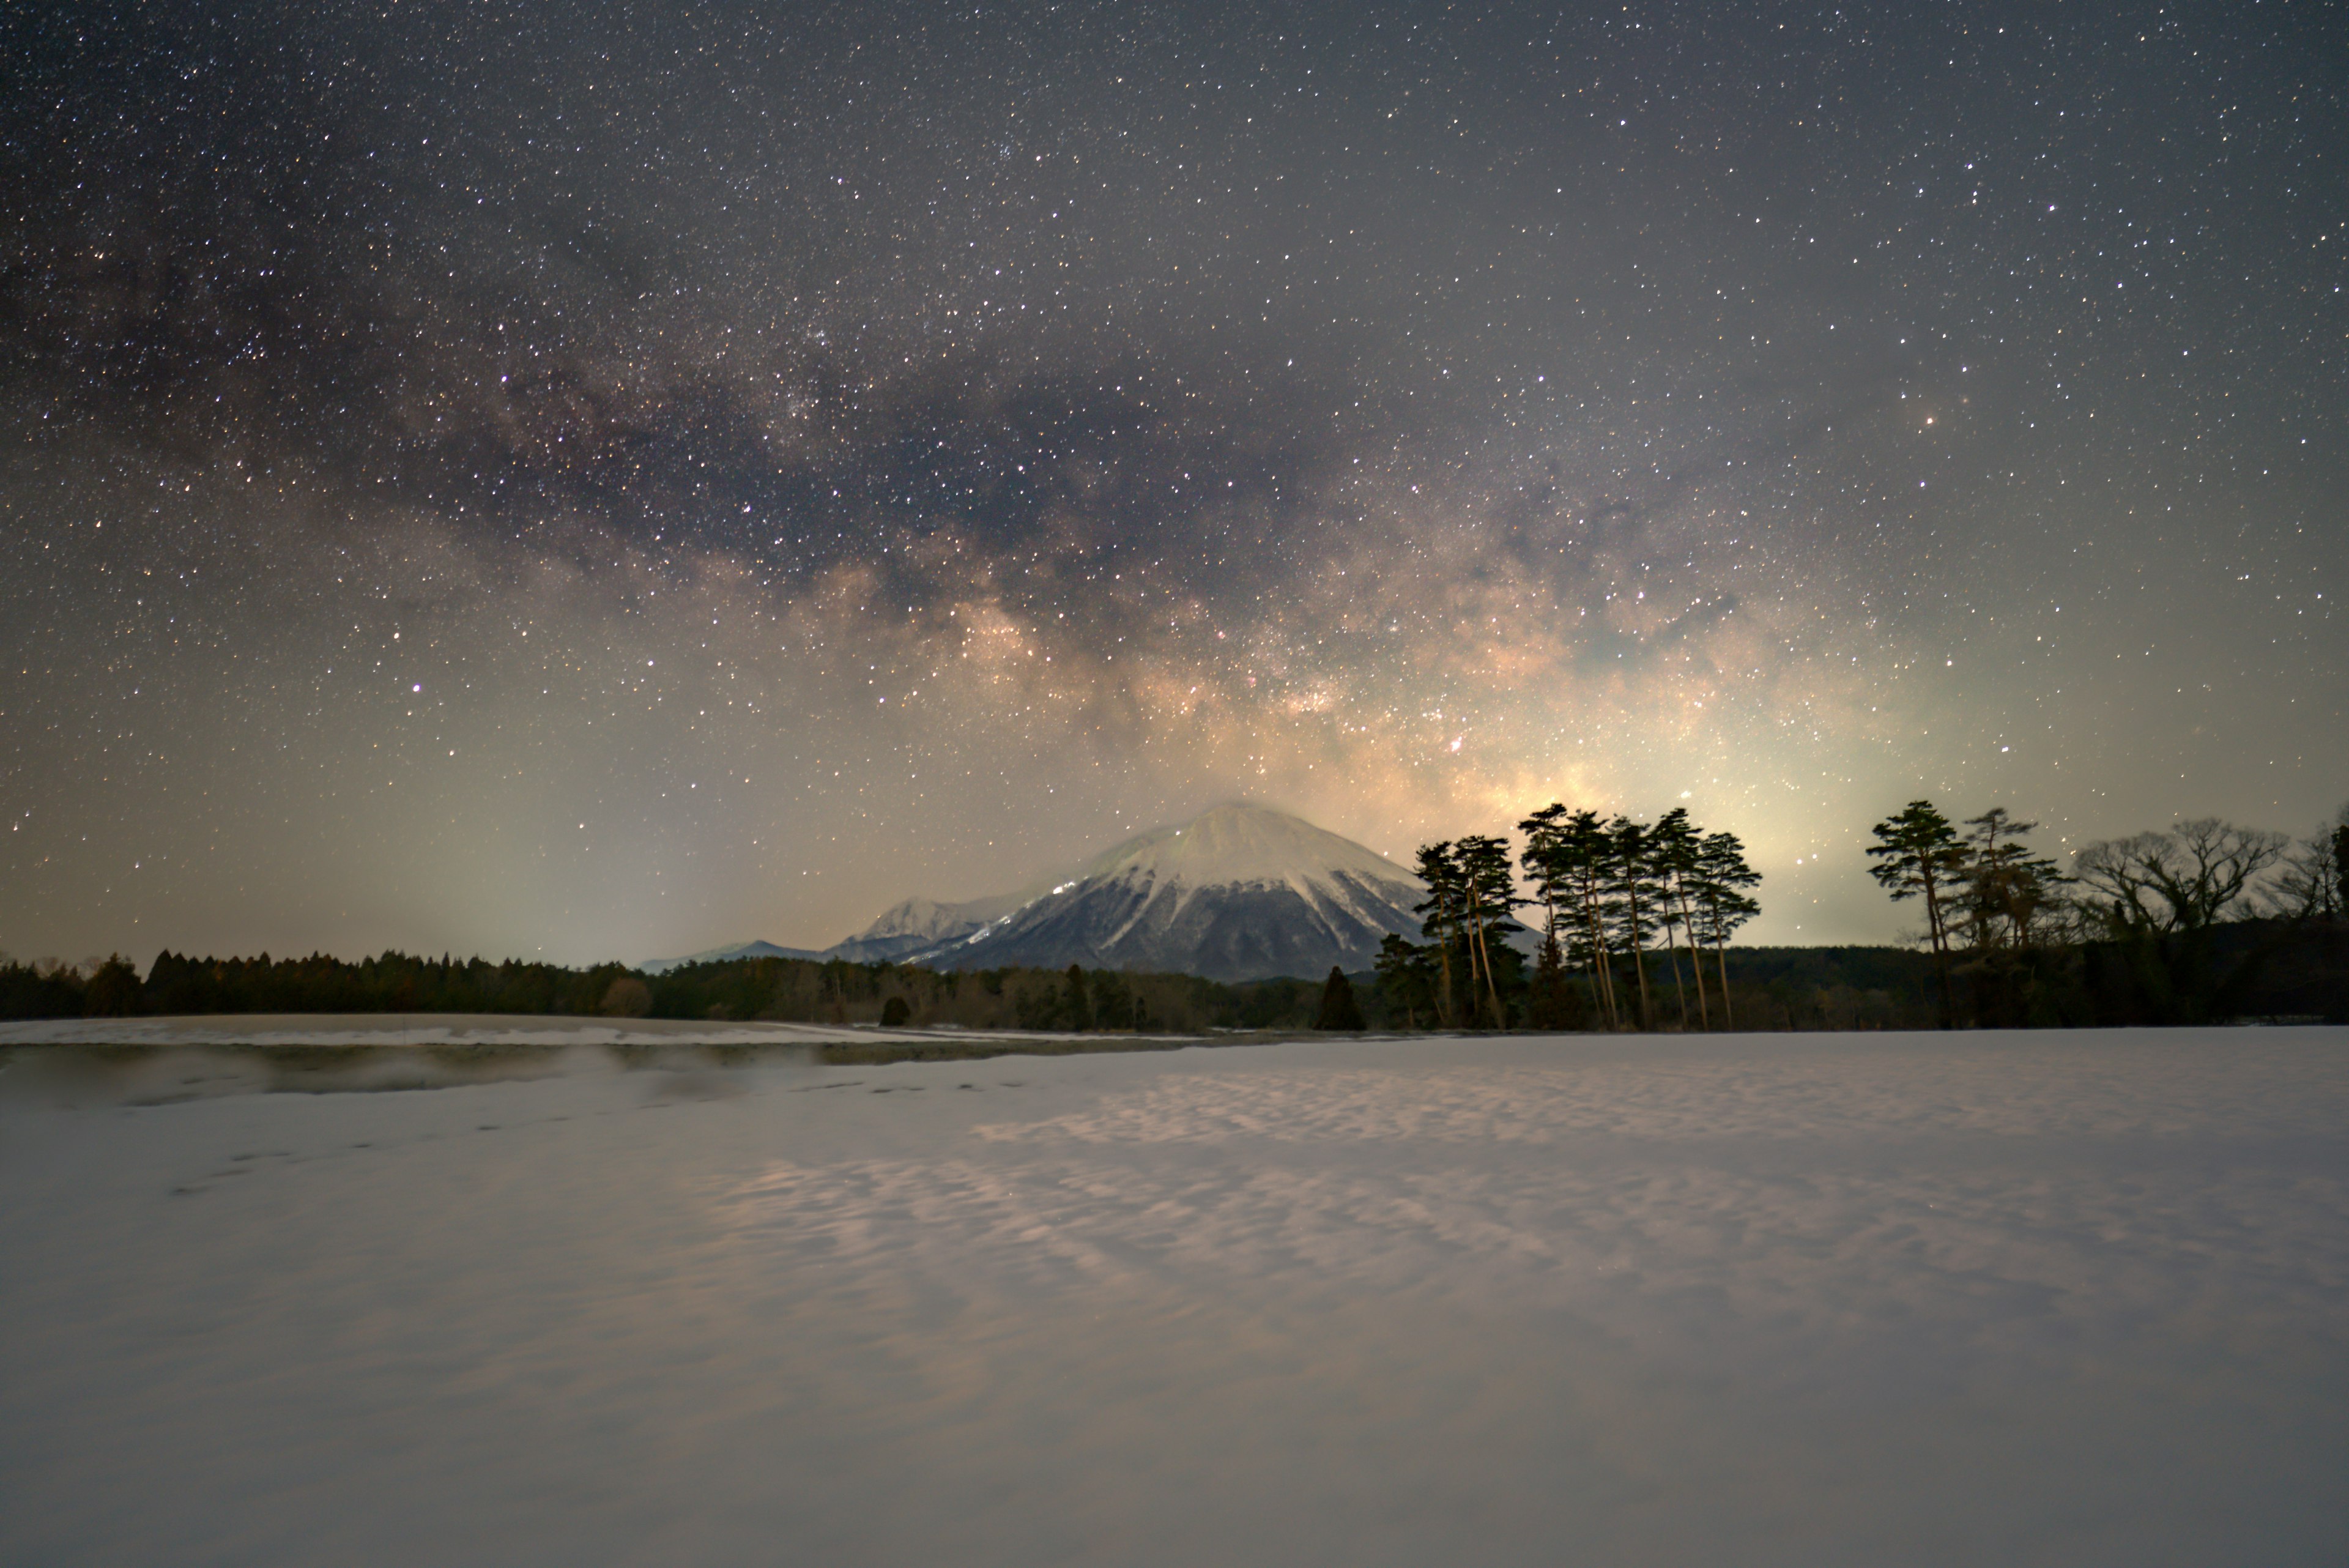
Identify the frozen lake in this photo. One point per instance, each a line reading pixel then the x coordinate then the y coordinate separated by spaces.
pixel 2064 1298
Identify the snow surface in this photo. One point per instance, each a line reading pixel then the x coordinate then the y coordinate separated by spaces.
pixel 1887 1300
pixel 382 1028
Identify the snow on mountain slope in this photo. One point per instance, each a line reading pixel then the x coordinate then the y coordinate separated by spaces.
pixel 1240 892
pixel 922 923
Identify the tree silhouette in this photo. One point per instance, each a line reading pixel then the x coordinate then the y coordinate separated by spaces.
pixel 1721 877
pixel 1406 978
pixel 1675 845
pixel 1632 897
pixel 1338 1009
pixel 1442 915
pixel 2182 881
pixel 1919 854
pixel 2009 891
pixel 1488 895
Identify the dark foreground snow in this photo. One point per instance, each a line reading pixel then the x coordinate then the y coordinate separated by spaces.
pixel 1890 1299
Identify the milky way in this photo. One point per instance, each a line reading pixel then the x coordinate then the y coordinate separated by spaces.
pixel 602 480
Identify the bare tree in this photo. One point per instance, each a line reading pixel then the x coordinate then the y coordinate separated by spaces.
pixel 2313 883
pixel 2182 881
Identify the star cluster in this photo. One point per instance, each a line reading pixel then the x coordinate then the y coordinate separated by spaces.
pixel 602 480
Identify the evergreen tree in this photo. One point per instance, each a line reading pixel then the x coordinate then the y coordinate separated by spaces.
pixel 112 990
pixel 1569 858
pixel 1919 854
pixel 1339 1010
pixel 1442 916
pixel 1632 899
pixel 1488 896
pixel 1406 980
pixel 1721 877
pixel 2009 891
pixel 1677 848
pixel 1588 848
pixel 1076 1007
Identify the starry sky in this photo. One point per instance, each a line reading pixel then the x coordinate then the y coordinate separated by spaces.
pixel 604 480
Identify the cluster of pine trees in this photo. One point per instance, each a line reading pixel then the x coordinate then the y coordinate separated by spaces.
pixel 1624 903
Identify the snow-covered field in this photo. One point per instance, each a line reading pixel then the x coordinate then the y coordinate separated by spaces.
pixel 2065 1299
pixel 418 1029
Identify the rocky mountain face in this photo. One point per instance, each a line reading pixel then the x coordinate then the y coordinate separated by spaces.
pixel 1240 892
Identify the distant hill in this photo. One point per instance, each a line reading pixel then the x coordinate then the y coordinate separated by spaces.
pixel 722 955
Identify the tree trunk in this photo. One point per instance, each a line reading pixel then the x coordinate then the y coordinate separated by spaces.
pixel 1940 947
pixel 1639 959
pixel 1696 953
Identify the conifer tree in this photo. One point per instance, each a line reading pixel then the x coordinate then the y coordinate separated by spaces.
pixel 1588 850
pixel 1406 978
pixel 1631 868
pixel 1544 863
pixel 1442 916
pixel 1677 850
pixel 1919 854
pixel 1338 1009
pixel 1722 875
pixel 1488 896
pixel 2008 890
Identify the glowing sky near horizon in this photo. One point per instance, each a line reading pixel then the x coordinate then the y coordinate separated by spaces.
pixel 601 483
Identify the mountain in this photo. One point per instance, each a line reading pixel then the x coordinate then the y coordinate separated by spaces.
pixel 919 924
pixel 1240 892
pixel 719 955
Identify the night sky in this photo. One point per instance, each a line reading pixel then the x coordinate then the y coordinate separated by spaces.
pixel 605 480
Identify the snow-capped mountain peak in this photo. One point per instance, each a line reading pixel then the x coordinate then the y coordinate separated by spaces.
pixel 1237 892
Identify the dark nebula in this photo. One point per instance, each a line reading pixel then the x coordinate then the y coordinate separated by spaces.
pixel 602 480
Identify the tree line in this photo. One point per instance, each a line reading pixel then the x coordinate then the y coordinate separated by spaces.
pixel 787 990
pixel 2178 927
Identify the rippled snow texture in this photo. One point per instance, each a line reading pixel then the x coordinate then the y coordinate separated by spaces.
pixel 2070 1299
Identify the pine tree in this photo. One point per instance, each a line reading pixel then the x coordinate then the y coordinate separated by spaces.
pixel 1406 980
pixel 1488 895
pixel 2007 889
pixel 1722 875
pixel 1442 916
pixel 1677 850
pixel 1567 858
pixel 1339 1010
pixel 1918 853
pixel 1632 887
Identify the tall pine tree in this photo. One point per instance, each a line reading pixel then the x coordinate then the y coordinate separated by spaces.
pixel 1918 855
